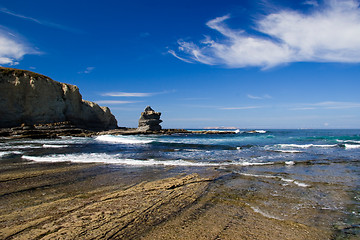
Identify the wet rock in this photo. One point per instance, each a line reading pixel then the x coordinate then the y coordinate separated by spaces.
pixel 51 130
pixel 149 120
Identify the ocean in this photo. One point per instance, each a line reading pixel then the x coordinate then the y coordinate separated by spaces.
pixel 308 176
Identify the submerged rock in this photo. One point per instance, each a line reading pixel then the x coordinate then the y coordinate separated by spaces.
pixel 29 98
pixel 149 120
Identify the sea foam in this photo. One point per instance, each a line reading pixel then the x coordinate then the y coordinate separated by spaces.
pixel 287 180
pixel 123 139
pixel 257 210
pixel 118 159
pixel 31 146
pixel 348 141
pixel 307 145
pixel 9 152
pixel 257 131
pixel 54 146
pixel 351 146
pixel 288 151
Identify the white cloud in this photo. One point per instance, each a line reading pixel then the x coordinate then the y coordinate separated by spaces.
pixel 328 33
pixel 115 102
pixel 328 105
pixel 13 48
pixel 266 96
pixel 87 70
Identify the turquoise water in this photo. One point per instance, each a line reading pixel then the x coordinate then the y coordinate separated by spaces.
pixel 321 166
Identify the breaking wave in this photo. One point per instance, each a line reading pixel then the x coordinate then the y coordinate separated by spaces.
pixel 256 131
pixel 288 151
pixel 54 146
pixel 124 139
pixel 351 146
pixel 117 159
pixel 9 152
pixel 348 141
pixel 307 145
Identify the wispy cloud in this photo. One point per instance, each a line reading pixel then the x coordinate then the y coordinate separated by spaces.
pixel 132 94
pixel 337 105
pixel 35 20
pixel 13 48
pixel 127 94
pixel 312 3
pixel 172 52
pixel 303 108
pixel 266 96
pixel 328 105
pixel 240 108
pixel 7 11
pixel 115 102
pixel 328 33
pixel 87 70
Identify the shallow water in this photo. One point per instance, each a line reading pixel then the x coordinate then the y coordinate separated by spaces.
pixel 306 172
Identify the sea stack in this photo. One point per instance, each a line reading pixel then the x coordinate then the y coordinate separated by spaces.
pixel 149 120
pixel 28 98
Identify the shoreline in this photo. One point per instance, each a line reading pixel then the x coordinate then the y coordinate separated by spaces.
pixel 57 130
pixel 59 198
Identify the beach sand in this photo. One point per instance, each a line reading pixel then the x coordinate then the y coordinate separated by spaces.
pixel 97 201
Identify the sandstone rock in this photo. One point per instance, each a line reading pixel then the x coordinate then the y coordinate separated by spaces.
pixel 29 98
pixel 149 120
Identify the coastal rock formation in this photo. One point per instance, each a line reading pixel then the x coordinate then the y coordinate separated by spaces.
pixel 30 98
pixel 149 120
pixel 49 130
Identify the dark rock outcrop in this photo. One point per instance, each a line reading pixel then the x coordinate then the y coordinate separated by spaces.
pixel 30 98
pixel 50 130
pixel 149 120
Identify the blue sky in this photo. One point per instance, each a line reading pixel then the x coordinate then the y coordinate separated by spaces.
pixel 248 64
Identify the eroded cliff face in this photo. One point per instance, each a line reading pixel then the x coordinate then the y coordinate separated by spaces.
pixel 31 98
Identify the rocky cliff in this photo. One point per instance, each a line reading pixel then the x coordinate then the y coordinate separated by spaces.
pixel 30 98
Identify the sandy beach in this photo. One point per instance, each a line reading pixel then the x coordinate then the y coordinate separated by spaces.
pixel 99 201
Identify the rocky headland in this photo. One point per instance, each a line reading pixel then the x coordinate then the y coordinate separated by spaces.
pixel 35 106
pixel 28 99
